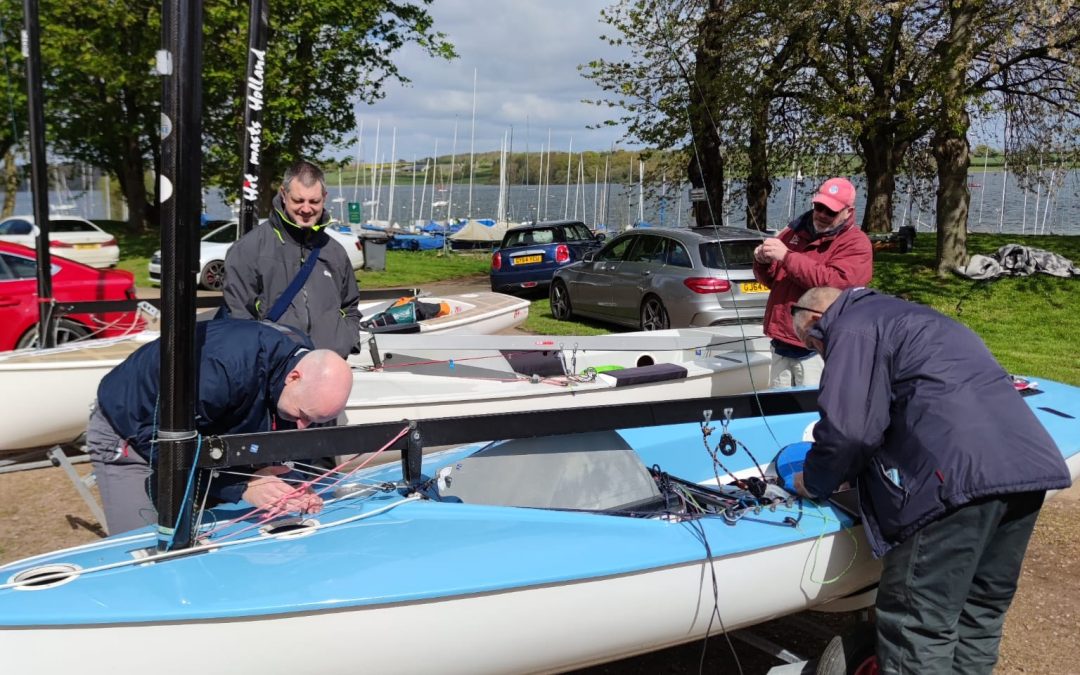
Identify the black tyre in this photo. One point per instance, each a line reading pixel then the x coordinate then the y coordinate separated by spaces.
pixel 559 296
pixel 653 314
pixel 66 331
pixel 851 653
pixel 212 277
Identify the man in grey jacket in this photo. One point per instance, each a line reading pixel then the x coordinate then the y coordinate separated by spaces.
pixel 951 465
pixel 264 262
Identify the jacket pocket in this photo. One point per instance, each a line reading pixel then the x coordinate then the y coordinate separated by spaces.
pixel 888 493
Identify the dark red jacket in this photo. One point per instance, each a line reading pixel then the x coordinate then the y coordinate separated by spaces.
pixel 841 260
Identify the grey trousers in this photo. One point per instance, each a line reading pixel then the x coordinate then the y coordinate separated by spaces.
pixel 944 592
pixel 122 477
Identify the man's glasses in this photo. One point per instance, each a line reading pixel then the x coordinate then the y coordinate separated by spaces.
pixel 800 308
pixel 821 208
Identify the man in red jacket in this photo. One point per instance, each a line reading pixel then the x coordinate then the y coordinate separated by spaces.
pixel 822 247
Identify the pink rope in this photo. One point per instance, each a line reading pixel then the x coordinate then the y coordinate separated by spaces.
pixel 297 490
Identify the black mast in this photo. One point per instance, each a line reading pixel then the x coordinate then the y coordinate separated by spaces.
pixel 258 27
pixel 39 182
pixel 180 64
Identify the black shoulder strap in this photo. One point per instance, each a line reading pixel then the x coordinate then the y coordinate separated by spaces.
pixel 297 283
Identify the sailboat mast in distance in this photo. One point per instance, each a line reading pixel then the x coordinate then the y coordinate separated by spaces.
pixel 472 142
pixel 450 195
pixel 359 161
pixel 566 201
pixel 393 175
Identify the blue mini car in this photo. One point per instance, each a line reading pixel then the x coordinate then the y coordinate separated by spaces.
pixel 529 254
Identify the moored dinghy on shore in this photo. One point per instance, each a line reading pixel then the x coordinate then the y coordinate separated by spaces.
pixel 48 392
pixel 539 554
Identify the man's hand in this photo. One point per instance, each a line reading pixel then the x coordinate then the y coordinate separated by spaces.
pixel 771 249
pixel 800 486
pixel 267 490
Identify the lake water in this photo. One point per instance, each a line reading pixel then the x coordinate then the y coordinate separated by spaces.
pixel 1020 211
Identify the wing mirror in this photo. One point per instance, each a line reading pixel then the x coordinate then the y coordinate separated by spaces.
pixel 589 257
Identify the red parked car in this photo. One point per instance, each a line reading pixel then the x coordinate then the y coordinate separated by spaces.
pixel 72 282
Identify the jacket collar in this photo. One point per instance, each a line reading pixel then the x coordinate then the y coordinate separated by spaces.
pixel 846 299
pixel 805 225
pixel 279 220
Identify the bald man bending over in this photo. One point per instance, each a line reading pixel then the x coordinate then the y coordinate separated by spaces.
pixel 252 377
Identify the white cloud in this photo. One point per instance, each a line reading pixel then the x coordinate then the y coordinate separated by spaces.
pixel 526 55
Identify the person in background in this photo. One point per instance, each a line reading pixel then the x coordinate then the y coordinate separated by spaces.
pixel 261 268
pixel 951 467
pixel 822 247
pixel 252 377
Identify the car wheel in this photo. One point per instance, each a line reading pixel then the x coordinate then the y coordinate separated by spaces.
pixel 653 314
pixel 66 331
pixel 212 277
pixel 559 296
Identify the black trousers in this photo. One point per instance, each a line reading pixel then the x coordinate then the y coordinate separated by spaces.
pixel 944 592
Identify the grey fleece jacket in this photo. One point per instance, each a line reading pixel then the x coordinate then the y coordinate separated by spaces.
pixel 260 266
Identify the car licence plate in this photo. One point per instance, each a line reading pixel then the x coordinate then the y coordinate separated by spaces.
pixel 87 245
pixel 753 287
pixel 527 260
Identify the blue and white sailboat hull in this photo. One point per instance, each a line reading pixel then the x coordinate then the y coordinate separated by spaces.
pixel 383 582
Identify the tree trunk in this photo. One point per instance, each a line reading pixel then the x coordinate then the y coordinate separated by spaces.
pixel 951 152
pixel 706 164
pixel 11 183
pixel 133 184
pixel 267 187
pixel 881 155
pixel 950 144
pixel 758 185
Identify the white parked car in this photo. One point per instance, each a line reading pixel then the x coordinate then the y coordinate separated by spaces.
pixel 69 236
pixel 215 244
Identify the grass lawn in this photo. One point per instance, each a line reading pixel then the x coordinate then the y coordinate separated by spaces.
pixel 1029 323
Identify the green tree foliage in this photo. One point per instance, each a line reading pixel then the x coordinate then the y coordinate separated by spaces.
pixel 897 82
pixel 103 101
pixel 12 99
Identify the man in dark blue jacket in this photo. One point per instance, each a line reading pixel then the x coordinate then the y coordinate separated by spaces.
pixel 951 465
pixel 252 377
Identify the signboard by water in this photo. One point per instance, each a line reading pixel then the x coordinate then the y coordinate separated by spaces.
pixel 355 213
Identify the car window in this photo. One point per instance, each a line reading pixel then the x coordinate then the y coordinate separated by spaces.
pixel 578 232
pixel 226 234
pixel 71 226
pixel 677 254
pixel 649 249
pixel 18 267
pixel 16 226
pixel 616 250
pixel 729 254
pixel 528 237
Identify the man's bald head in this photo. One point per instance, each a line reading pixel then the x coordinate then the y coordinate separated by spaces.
pixel 316 390
pixel 808 309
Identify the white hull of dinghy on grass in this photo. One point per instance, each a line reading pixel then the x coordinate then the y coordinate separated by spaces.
pixel 51 391
pixel 47 393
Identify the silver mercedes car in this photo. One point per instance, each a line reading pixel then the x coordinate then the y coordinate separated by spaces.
pixel 657 278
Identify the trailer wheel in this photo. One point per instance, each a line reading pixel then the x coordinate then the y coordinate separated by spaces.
pixel 850 653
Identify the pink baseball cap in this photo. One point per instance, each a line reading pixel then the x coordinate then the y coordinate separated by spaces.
pixel 836 194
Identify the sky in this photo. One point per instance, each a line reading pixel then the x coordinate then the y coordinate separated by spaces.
pixel 525 54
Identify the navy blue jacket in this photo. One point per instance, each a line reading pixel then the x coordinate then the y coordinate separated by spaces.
pixel 242 368
pixel 915 408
